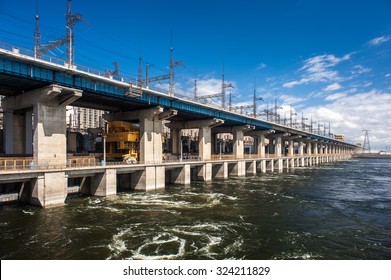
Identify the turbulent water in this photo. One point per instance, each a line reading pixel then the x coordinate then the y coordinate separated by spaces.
pixel 335 211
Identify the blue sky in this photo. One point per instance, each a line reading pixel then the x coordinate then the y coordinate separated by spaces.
pixel 327 59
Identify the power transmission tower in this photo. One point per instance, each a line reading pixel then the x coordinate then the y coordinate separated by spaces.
pixel 140 73
pixel 37 33
pixel 255 99
pixel 68 40
pixel 291 114
pixel 303 124
pixel 173 64
pixel 224 86
pixel 366 146
pixel 195 88
pixel 221 95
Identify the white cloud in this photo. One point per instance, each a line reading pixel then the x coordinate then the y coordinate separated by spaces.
pixel 261 66
pixel 332 87
pixel 287 99
pixel 387 75
pixel 349 114
pixel 292 84
pixel 379 40
pixel 359 69
pixel 335 96
pixel 209 86
pixel 318 69
pixel 368 84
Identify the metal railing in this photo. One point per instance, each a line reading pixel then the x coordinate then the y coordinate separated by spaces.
pixel 27 163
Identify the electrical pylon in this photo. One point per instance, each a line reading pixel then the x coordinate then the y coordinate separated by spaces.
pixel 366 146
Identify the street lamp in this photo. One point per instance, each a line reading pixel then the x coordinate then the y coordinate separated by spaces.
pixel 180 159
pixel 104 150
pixel 104 142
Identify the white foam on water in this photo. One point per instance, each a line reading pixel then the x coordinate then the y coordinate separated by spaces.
pixel 117 245
pixel 234 247
pixel 82 228
pixel 96 200
pixel 158 242
pixel 28 212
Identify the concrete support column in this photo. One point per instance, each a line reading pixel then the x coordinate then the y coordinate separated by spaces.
pixel 290 149
pixel 238 169
pixel 238 143
pixel 301 154
pixel 8 132
pixel 205 172
pixel 150 179
pixel 29 132
pixel 291 162
pixel 252 167
pixel 181 175
pixel 49 110
pixel 17 131
pixel 270 165
pixel 49 135
pixel 309 149
pixel 326 151
pixel 104 184
pixel 175 141
pixel 221 171
pixel 279 165
pixel 214 144
pixel 316 152
pixel 278 147
pixel 205 143
pixel 151 146
pixel 49 190
pixel 309 154
pixel 261 146
pixel 262 166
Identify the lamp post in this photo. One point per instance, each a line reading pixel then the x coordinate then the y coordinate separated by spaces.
pixel 180 159
pixel 220 142
pixel 104 150
pixel 104 141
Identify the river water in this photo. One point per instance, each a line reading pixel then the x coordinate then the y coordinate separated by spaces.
pixel 334 211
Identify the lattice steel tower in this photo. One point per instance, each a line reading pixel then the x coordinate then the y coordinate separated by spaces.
pixel 366 146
